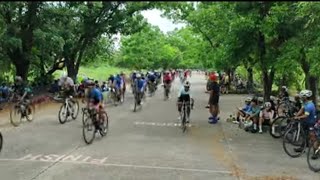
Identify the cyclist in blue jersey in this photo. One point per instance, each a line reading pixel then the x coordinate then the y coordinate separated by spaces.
pixel 95 100
pixel 152 80
pixel 307 114
pixel 118 85
pixel 111 80
pixel 184 95
pixel 139 87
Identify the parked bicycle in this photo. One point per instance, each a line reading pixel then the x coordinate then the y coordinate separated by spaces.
pixel 93 125
pixel 70 107
pixel 295 136
pixel 313 155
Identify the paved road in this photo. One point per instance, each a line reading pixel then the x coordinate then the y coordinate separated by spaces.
pixel 146 145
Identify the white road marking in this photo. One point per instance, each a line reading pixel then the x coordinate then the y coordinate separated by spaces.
pixel 127 165
pixel 162 124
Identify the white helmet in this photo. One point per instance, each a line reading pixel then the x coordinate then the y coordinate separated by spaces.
pixel 267 104
pixel 248 99
pixel 305 93
pixel 138 76
pixel 186 84
pixel 285 88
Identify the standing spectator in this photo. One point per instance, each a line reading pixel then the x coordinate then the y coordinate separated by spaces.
pixel 214 99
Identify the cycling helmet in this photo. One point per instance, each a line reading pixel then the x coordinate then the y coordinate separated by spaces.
pixel 186 84
pixel 90 83
pixel 248 99
pixel 213 77
pixel 138 76
pixel 284 88
pixel 305 93
pixel 267 104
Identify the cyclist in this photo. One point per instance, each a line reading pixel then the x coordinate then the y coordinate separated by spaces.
pixel 167 79
pixel 307 114
pixel 133 77
pixel 67 86
pixel 124 87
pixel 111 80
pixel 284 93
pixel 21 89
pixel 185 96
pixel 152 79
pixel 95 100
pixel 243 111
pixel 158 76
pixel 139 87
pixel 118 84
pixel 266 116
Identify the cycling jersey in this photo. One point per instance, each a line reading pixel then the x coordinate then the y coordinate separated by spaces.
pixel 310 111
pixel 111 78
pixel 183 92
pixel 65 82
pixel 151 77
pixel 140 83
pixel 167 78
pixel 119 82
pixel 96 96
pixel 247 108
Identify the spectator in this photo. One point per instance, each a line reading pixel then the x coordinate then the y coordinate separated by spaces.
pixel 214 99
pixel 243 112
pixel 266 116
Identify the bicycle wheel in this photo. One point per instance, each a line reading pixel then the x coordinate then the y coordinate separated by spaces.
pixel 84 116
pixel 184 127
pixel 292 140
pixel 279 125
pixel 15 116
pixel 135 103
pixel 314 162
pixel 30 113
pixel 75 107
pixel 105 129
pixel 282 109
pixel 1 141
pixel 89 127
pixel 63 114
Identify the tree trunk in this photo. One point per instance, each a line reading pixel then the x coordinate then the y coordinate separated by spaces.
pixel 250 79
pixel 312 80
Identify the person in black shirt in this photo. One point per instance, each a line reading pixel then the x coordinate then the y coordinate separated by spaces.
pixel 284 93
pixel 214 99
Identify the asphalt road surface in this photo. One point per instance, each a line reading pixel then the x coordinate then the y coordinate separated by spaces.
pixel 146 145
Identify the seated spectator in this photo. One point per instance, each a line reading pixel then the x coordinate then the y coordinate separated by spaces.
pixel 266 116
pixel 244 110
pixel 253 116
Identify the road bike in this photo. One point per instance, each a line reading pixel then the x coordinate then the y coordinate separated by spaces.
pixel 137 100
pixel 93 125
pixel 279 126
pixel 22 109
pixel 152 88
pixel 166 91
pixel 313 155
pixel 70 107
pixel 185 113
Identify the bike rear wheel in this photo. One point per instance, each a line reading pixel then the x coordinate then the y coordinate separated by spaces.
pixel 88 127
pixel 279 125
pixel 63 114
pixel 293 139
pixel 15 116
pixel 314 150
pixel 183 124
